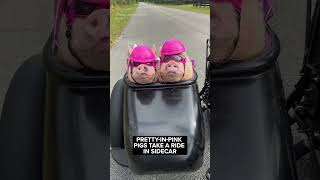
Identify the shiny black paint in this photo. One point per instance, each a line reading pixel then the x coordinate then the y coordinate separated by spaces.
pixel 76 145
pixel 164 110
pixel 250 132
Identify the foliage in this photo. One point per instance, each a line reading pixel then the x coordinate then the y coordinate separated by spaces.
pixel 176 2
pixel 124 2
pixel 189 7
pixel 119 17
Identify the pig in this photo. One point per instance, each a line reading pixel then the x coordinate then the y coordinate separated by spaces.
pixel 174 65
pixel 81 36
pixel 238 31
pixel 142 62
pixel 173 71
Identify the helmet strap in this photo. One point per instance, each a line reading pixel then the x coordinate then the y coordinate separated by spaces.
pixel 184 71
pixel 132 76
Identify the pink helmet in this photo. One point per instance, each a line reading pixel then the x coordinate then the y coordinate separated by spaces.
pixel 74 9
pixel 142 54
pixel 171 47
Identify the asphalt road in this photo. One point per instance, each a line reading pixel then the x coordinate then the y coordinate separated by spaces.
pixel 153 25
pixel 26 25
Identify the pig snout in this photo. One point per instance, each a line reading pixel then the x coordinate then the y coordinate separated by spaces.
pixel 172 67
pixel 143 69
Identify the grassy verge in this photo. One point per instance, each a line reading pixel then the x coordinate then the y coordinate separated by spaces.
pixel 189 7
pixel 119 18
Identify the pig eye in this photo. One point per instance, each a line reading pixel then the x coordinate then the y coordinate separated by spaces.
pixel 135 64
pixel 149 63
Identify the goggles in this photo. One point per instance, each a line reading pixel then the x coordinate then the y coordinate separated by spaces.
pixel 136 64
pixel 178 58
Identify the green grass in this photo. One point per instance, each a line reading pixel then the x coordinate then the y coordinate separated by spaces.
pixel 119 18
pixel 189 7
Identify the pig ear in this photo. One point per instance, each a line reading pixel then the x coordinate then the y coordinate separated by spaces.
pixel 157 80
pixel 189 71
pixel 186 54
pixel 160 48
pixel 194 63
pixel 129 50
pixel 129 76
pixel 159 77
pixel 158 64
pixel 154 49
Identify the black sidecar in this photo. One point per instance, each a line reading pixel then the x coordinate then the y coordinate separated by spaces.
pixel 250 126
pixel 54 122
pixel 156 110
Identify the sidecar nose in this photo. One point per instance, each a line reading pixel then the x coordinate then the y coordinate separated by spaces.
pixel 163 110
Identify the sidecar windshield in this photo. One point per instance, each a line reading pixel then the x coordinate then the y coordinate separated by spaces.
pixel 154 85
